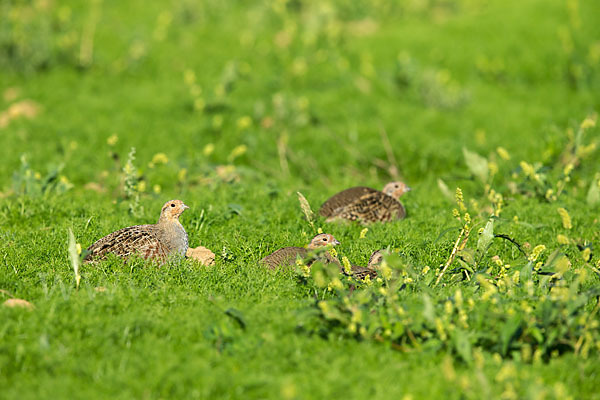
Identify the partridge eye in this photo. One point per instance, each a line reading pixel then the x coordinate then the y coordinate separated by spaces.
pixel 324 239
pixel 172 204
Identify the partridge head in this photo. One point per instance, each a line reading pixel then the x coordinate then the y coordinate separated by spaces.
pixel 321 240
pixel 172 210
pixel 396 189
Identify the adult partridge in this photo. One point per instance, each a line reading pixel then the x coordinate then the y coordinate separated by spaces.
pixel 156 242
pixel 366 204
pixel 287 255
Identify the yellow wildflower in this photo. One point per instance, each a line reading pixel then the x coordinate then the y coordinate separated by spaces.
pixel 208 149
pixel 527 168
pixel 160 158
pixel 562 239
pixel 588 123
pixel 335 284
pixel 386 271
pixel 244 122
pixel 112 140
pixel 586 254
pixel 181 175
pixel 493 167
pixel 565 217
pixel 189 77
pixel 347 266
pixel 425 270
pixel 320 230
pixel 467 218
pixel 537 251
pixel 460 200
pixel 448 369
pixel 568 168
pixel 458 299
pixel 141 186
pixel 363 233
pixel 78 247
pixel 156 189
pixel 237 151
pixel 503 153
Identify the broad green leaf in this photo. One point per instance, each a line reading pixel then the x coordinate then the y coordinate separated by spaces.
pixel 593 196
pixel 477 164
pixel 428 311
pixel 237 316
pixel 463 346
pixel 444 189
pixel 74 257
pixel 509 331
pixel 486 236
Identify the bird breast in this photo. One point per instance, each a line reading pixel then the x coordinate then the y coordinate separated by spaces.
pixel 175 237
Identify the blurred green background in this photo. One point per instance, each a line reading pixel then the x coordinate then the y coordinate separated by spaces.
pixel 233 106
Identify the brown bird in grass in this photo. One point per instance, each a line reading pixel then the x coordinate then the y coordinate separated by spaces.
pixel 156 242
pixel 358 272
pixel 366 205
pixel 287 255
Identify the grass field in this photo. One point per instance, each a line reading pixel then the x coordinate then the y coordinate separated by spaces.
pixel 233 107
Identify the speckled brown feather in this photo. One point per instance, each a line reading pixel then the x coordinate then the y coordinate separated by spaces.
pixel 284 257
pixel 339 201
pixel 359 272
pixel 372 207
pixel 142 240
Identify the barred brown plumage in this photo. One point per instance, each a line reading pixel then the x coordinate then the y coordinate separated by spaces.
pixel 155 242
pixel 370 270
pixel 287 256
pixel 366 204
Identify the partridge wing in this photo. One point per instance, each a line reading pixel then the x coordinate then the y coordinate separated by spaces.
pixel 141 240
pixel 361 273
pixel 339 201
pixel 373 207
pixel 283 257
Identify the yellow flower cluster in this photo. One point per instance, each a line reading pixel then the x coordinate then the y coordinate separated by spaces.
pixel 565 217
pixel 363 233
pixel 189 78
pixel 562 239
pixel 460 201
pixel 503 153
pixel 347 266
pixel 537 251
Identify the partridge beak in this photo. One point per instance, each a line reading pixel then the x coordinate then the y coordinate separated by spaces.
pixel 184 207
pixel 335 242
pixel 407 189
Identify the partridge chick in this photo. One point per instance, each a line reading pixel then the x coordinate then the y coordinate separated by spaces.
pixel 153 242
pixel 287 255
pixel 366 205
pixel 370 270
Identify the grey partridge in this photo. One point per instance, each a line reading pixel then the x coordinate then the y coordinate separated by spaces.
pixel 366 205
pixel 155 242
pixel 287 255
pixel 370 270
